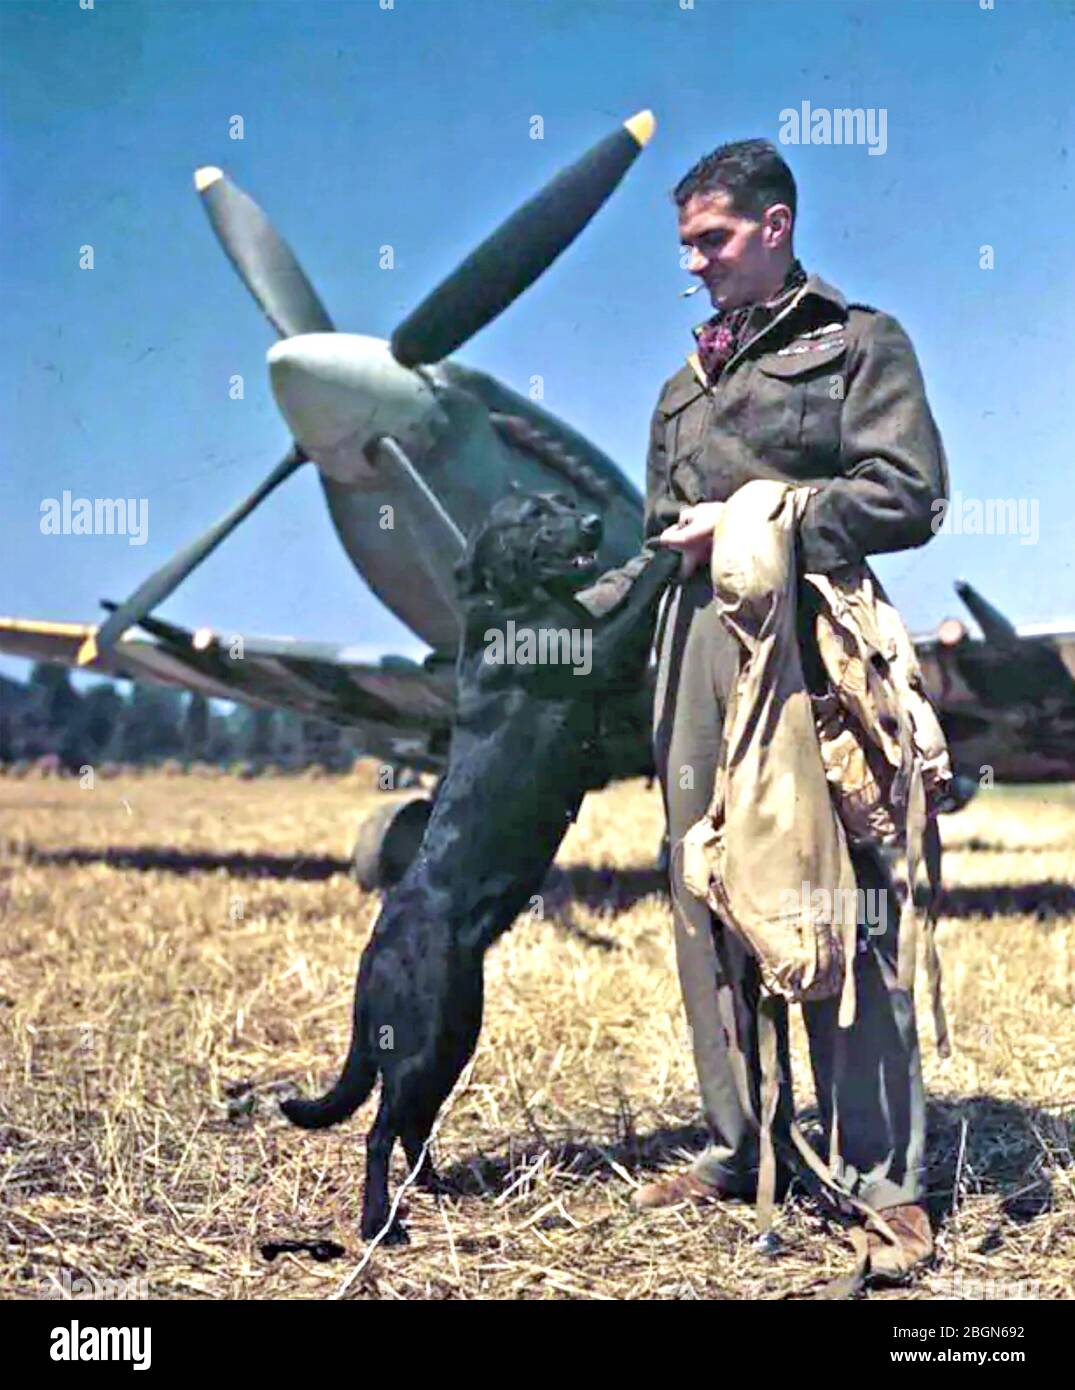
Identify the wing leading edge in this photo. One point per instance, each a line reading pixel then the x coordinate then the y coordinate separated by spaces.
pixel 403 708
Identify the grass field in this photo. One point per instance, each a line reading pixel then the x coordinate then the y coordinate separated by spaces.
pixel 171 949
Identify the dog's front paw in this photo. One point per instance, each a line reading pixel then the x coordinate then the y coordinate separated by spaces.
pixel 396 1234
pixel 372 1224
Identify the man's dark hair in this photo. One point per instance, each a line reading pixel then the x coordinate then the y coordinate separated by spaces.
pixel 751 172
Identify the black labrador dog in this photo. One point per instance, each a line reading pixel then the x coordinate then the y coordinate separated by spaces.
pixel 525 748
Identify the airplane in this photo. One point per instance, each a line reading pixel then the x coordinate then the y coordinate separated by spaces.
pixel 399 429
pixel 1006 699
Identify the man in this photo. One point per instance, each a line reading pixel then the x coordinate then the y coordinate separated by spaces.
pixel 790 382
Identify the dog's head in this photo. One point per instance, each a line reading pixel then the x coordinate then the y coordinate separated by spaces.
pixel 530 541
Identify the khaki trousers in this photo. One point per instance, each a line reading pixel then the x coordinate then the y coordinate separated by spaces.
pixel 870 1073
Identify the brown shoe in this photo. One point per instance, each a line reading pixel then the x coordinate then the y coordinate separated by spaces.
pixel 891 1264
pixel 681 1187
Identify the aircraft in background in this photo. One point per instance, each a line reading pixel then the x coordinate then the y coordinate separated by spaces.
pixel 1006 699
pixel 397 424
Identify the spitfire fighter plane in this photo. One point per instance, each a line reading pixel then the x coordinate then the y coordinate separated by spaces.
pixel 400 424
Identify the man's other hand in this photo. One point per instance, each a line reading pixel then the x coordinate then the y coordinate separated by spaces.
pixel 692 535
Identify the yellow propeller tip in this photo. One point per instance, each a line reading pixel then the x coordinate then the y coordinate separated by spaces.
pixel 207 175
pixel 642 125
pixel 87 653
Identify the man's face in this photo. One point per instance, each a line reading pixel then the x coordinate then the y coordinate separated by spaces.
pixel 741 260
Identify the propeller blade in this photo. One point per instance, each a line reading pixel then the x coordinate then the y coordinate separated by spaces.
pixel 266 264
pixel 996 628
pixel 168 578
pixel 519 250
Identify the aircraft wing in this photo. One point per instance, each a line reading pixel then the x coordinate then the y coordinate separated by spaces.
pixel 403 708
pixel 1006 698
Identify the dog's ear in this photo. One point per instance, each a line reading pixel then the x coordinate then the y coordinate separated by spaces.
pixel 507 573
pixel 470 575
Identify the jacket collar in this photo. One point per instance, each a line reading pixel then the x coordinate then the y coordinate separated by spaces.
pixel 821 289
pixel 815 286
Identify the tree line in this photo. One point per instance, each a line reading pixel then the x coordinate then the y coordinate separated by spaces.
pixel 47 716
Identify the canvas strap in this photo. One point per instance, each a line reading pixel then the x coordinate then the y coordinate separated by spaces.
pixel 769 1008
pixel 923 846
pixel 932 850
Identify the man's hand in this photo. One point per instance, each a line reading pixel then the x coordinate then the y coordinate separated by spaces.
pixel 692 535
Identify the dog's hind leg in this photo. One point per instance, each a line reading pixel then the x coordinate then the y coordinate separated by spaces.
pixel 375 1206
pixel 414 1138
pixel 419 1099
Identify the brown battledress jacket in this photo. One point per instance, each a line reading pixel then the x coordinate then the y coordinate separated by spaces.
pixel 828 393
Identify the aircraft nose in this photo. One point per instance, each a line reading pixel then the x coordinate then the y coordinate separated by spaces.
pixel 340 391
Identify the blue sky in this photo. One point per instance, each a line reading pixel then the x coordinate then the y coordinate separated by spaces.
pixel 411 126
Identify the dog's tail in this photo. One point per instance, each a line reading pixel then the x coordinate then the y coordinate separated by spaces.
pixel 354 1085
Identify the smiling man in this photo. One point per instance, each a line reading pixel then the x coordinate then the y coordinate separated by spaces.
pixel 789 381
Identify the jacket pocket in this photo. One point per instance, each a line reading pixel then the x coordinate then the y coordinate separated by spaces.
pixel 686 430
pixel 799 399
